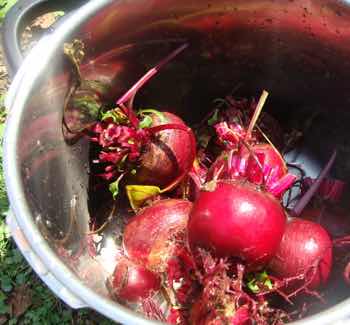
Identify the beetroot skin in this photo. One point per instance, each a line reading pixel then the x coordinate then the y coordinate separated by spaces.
pixel 148 236
pixel 305 246
pixel 235 219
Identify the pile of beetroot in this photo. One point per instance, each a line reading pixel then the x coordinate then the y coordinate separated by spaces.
pixel 216 237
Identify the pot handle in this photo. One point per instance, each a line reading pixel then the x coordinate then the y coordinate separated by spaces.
pixel 22 13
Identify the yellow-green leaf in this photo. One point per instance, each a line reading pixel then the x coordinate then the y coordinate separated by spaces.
pixel 139 194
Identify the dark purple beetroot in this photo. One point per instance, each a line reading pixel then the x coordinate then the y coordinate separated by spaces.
pixel 237 219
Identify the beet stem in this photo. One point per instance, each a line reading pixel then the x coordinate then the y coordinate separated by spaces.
pixel 282 184
pixel 131 115
pixel 303 202
pixel 132 91
pixel 257 112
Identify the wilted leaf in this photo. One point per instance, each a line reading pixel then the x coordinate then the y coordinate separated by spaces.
pixel 159 114
pixel 139 194
pixel 116 115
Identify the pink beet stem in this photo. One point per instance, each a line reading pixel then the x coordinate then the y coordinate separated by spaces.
pixel 302 203
pixel 173 126
pixel 132 91
pixel 282 184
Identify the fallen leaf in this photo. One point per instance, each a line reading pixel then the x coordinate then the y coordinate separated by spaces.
pixel 3 320
pixel 139 194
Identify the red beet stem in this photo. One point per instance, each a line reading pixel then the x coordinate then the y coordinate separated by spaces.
pixel 173 126
pixel 303 202
pixel 132 91
pixel 131 115
pixel 282 185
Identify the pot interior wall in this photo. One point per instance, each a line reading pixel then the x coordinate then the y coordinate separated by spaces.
pixel 297 50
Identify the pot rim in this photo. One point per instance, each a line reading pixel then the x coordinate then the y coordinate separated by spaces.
pixel 21 88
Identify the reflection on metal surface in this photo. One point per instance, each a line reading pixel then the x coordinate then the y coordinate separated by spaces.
pixel 298 50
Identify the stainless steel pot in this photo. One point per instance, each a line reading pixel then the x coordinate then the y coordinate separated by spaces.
pixel 298 49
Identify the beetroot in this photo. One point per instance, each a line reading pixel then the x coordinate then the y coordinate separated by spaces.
pixel 165 158
pixel 150 236
pixel 131 282
pixel 236 219
pixel 306 249
pixel 146 146
pixel 150 155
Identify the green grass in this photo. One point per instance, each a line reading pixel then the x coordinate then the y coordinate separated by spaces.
pixel 5 6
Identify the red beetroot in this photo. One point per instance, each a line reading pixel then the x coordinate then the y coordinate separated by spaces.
pixel 236 219
pixel 153 148
pixel 131 282
pixel 168 156
pixel 306 249
pixel 155 153
pixel 149 237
